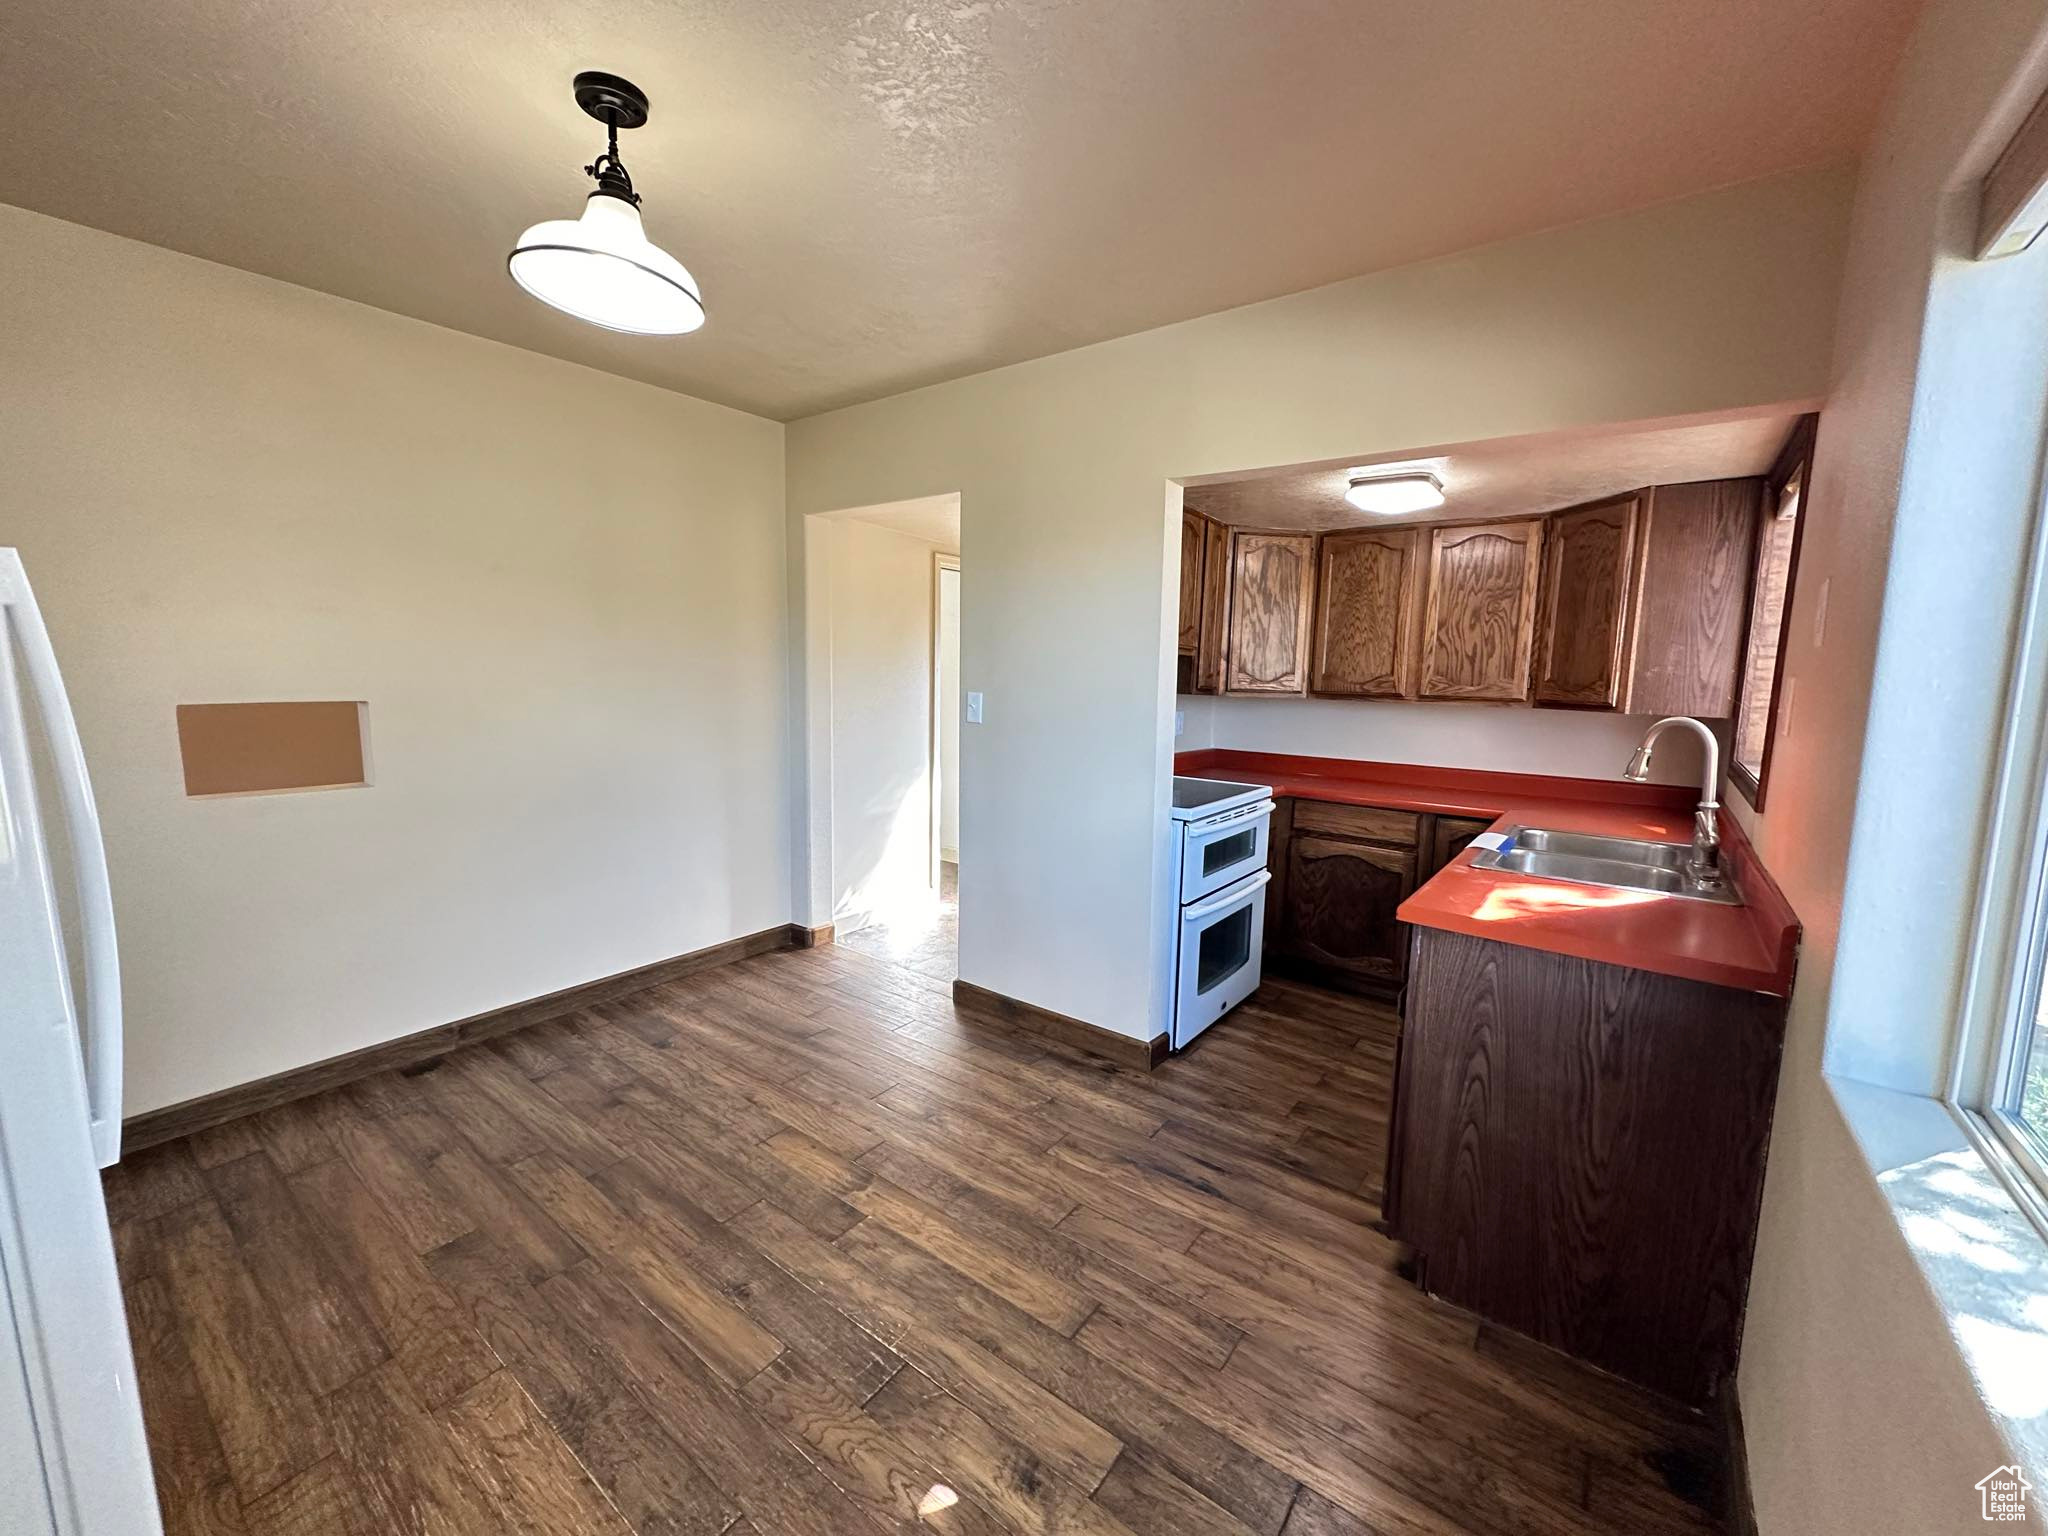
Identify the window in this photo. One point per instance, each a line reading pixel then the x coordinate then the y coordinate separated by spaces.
pixel 2011 1096
pixel 1999 1081
pixel 2032 1078
pixel 1770 603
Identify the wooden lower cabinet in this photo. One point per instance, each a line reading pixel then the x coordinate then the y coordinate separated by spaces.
pixel 1341 898
pixel 1578 1149
pixel 1449 837
pixel 1339 874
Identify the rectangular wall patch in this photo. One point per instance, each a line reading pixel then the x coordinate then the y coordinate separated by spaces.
pixel 261 749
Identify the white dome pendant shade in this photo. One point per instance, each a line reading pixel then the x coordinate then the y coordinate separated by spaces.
pixel 602 267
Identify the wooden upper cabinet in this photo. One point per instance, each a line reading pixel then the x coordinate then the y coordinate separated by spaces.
pixel 1635 603
pixel 1691 596
pixel 1215 607
pixel 1192 543
pixel 1583 617
pixel 1367 585
pixel 1479 622
pixel 1271 583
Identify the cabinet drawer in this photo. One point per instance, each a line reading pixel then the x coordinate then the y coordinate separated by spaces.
pixel 1367 823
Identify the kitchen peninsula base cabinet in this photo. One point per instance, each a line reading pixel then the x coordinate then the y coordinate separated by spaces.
pixel 1577 1152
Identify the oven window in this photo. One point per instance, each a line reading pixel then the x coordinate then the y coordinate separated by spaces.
pixel 1226 947
pixel 1226 851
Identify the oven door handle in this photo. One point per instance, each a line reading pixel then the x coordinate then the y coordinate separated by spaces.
pixel 1228 823
pixel 1224 900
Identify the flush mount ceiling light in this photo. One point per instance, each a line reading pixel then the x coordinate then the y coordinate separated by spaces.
pixel 602 267
pixel 1407 492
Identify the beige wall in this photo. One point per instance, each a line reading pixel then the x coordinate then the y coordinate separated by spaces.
pixel 882 591
pixel 1861 1414
pixel 1576 743
pixel 561 593
pixel 1715 303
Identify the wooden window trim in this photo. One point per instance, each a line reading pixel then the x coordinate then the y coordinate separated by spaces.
pixel 1796 457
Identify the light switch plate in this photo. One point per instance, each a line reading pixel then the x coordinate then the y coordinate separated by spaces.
pixel 974 709
pixel 1180 722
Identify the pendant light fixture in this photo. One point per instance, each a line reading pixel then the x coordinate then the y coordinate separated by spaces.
pixel 602 267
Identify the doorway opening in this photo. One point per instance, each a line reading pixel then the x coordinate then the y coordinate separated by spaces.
pixel 885 729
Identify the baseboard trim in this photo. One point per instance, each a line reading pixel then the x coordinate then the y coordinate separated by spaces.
pixel 1738 1508
pixel 211 1109
pixel 1122 1049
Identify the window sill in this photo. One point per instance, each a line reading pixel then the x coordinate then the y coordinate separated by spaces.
pixel 1984 1260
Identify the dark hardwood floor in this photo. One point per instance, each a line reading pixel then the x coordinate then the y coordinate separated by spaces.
pixel 790 1247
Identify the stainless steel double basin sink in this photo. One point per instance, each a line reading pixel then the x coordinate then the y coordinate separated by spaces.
pixel 1623 863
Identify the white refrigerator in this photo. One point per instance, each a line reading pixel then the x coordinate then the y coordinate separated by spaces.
pixel 73 1459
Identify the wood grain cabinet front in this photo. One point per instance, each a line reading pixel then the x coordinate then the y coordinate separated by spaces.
pixel 1193 527
pixel 1691 596
pixel 1215 607
pixel 1368 584
pixel 1642 602
pixel 1449 837
pixel 1582 619
pixel 1578 1152
pixel 1340 904
pixel 1340 872
pixel 1479 621
pixel 1271 577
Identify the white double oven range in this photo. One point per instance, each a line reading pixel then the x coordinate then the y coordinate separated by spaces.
pixel 1222 830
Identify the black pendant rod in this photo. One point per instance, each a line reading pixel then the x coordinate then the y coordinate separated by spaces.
pixel 617 103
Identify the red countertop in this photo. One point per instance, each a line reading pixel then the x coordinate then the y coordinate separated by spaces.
pixel 1754 946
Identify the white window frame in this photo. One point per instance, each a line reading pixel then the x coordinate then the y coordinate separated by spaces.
pixel 2009 945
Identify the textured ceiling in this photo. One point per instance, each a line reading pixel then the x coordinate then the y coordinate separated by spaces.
pixel 1504 476
pixel 933 520
pixel 881 195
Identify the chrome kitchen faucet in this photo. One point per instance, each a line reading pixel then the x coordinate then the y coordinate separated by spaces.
pixel 1703 867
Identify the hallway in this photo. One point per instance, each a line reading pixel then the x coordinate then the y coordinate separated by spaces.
pixel 927 942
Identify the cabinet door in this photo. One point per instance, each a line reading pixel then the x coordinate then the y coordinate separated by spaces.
pixel 1588 563
pixel 1340 904
pixel 1450 837
pixel 1365 613
pixel 1192 544
pixel 1691 598
pixel 1582 1152
pixel 1215 607
pixel 1270 576
pixel 1481 615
